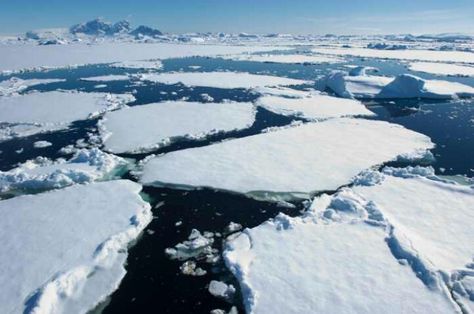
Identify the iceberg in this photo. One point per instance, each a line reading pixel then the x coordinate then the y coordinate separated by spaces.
pixel 315 106
pixel 293 160
pixel 148 127
pixel 221 79
pixel 28 114
pixel 63 251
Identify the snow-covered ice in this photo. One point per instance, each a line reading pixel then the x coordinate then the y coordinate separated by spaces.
pixel 402 86
pixel 31 113
pixel 143 64
pixel 299 265
pixel 298 159
pixel 412 54
pixel 221 79
pixel 40 174
pixel 442 68
pixel 63 251
pixel 147 127
pixel 15 85
pixel 285 58
pixel 315 106
pixel 42 144
pixel 106 78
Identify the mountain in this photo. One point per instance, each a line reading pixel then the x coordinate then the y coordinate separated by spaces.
pixel 143 30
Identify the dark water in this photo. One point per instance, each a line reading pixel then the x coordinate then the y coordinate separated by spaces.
pixel 153 283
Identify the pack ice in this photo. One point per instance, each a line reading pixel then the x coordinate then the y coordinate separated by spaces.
pixel 147 127
pixel 300 159
pixel 402 86
pixel 442 68
pixel 65 257
pixel 410 234
pixel 42 173
pixel 16 85
pixel 285 58
pixel 221 79
pixel 314 106
pixel 31 113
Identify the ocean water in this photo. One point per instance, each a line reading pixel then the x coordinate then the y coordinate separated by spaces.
pixel 153 282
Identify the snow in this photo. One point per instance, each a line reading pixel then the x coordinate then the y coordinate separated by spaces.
pixel 421 55
pixel 30 56
pixel 315 106
pixel 402 86
pixel 65 257
pixel 299 159
pixel 143 64
pixel 442 68
pixel 41 174
pixel 31 113
pixel 285 58
pixel 221 79
pixel 147 127
pixel 428 205
pixel 15 85
pixel 301 265
pixel 106 78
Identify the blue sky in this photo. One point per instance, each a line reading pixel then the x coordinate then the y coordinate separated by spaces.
pixel 258 16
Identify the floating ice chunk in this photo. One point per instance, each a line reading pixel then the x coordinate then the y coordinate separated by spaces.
pixel 435 217
pixel 299 159
pixel 106 78
pixel 63 251
pixel 295 265
pixel 42 144
pixel 232 227
pixel 361 71
pixel 41 174
pixel 221 79
pixel 144 64
pixel 285 58
pixel 402 86
pixel 221 289
pixel 147 127
pixel 422 55
pixel 281 91
pixel 31 113
pixel 442 68
pixel 197 246
pixel 315 106
pixel 190 268
pixel 16 85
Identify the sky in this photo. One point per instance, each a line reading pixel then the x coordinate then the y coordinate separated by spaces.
pixel 251 16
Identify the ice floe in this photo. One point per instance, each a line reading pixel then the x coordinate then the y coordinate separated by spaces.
pixel 106 78
pixel 402 86
pixel 412 54
pixel 63 251
pixel 41 174
pixel 15 85
pixel 300 265
pixel 285 58
pixel 42 144
pixel 143 64
pixel 221 79
pixel 28 114
pixel 442 68
pixel 314 106
pixel 147 127
pixel 296 159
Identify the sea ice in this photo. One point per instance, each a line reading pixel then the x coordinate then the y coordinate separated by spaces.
pixel 42 144
pixel 143 64
pixel 41 174
pixel 299 159
pixel 106 78
pixel 315 106
pixel 147 127
pixel 285 58
pixel 28 114
pixel 221 79
pixel 302 265
pixel 15 85
pixel 63 251
pixel 442 68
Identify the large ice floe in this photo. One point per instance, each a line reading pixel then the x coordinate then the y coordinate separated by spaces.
pixel 28 114
pixel 42 173
pixel 221 79
pixel 400 243
pixel 402 86
pixel 147 127
pixel 63 251
pixel 314 106
pixel 412 54
pixel 293 160
pixel 285 58
pixel 16 85
pixel 442 68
